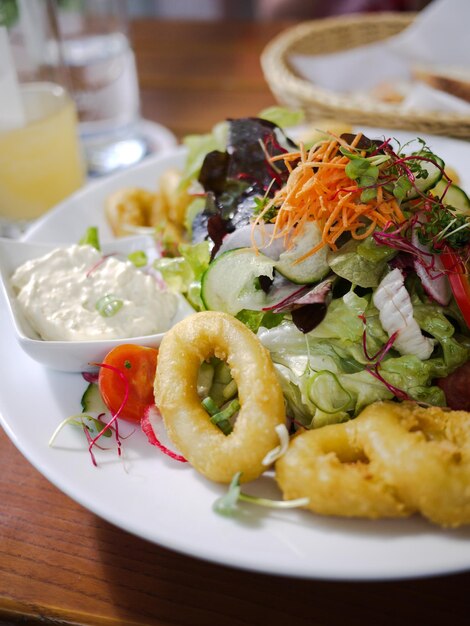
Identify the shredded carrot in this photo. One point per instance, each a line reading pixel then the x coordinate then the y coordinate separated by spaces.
pixel 319 190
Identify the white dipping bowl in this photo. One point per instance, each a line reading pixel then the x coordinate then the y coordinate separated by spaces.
pixel 70 356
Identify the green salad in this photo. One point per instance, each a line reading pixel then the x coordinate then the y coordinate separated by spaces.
pixel 347 258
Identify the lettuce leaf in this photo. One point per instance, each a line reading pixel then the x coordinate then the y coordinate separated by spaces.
pixel 183 274
pixel 360 262
pixel 335 346
pixel 282 117
pixel 200 145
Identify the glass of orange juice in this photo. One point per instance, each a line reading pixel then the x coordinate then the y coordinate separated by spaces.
pixel 40 154
pixel 40 162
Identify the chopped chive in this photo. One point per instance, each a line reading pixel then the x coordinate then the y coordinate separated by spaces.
pixel 138 258
pixel 91 238
pixel 108 305
pixel 221 418
pixel 210 406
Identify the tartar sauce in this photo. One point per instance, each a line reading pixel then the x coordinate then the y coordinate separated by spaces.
pixel 60 294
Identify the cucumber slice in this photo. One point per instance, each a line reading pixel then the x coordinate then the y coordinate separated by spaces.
pixel 434 171
pixel 230 282
pixel 92 402
pixel 455 197
pixel 314 268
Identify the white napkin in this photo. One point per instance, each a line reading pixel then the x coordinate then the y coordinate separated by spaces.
pixel 439 37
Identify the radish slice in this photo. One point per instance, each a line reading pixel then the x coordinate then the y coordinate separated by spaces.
pixel 152 425
pixel 261 234
pixel 432 275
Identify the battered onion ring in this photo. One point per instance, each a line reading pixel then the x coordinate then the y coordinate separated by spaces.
pixel 336 470
pixel 213 454
pixel 425 453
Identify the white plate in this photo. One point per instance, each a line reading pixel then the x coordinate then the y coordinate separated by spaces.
pixel 168 503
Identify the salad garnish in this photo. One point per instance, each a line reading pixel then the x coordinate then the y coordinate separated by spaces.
pixel 228 503
pixel 108 305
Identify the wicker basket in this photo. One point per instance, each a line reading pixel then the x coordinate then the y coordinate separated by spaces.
pixel 334 34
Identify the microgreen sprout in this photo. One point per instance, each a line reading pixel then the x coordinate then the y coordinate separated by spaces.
pixel 364 170
pixel 261 205
pixel 92 427
pixel 395 172
pixel 375 361
pixel 444 224
pixel 228 503
pixel 83 420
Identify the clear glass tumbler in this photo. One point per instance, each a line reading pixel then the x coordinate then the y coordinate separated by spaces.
pixel 96 49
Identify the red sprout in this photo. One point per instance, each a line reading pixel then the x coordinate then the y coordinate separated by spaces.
pixel 396 240
pixel 297 423
pixel 114 417
pixel 398 393
pixel 98 263
pixel 284 304
pixel 90 442
pixel 401 163
pixel 379 355
pixel 382 147
pixel 376 360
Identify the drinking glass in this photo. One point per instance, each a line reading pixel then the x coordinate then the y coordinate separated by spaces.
pixel 96 49
pixel 40 155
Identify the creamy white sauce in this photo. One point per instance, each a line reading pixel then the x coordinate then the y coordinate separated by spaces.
pixel 58 293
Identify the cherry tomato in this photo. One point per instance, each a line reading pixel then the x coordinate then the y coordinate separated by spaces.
pixel 138 365
pixel 459 282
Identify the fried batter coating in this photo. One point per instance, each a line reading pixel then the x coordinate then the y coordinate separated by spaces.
pixel 334 468
pixel 213 454
pixel 425 453
pixel 132 208
pixel 392 460
pixel 174 196
pixel 128 209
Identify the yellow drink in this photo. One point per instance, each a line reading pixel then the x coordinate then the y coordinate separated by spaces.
pixel 40 163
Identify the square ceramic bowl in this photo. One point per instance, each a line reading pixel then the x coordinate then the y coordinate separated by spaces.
pixel 69 356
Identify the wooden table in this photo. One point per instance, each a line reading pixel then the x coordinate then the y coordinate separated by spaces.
pixel 60 564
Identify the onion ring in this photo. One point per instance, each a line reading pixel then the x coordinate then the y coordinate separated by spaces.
pixel 213 454
pixel 334 468
pixel 425 453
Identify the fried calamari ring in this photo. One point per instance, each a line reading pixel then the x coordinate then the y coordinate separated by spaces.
pixel 392 460
pixel 425 453
pixel 213 454
pixel 335 469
